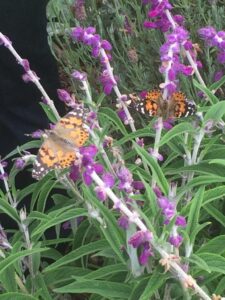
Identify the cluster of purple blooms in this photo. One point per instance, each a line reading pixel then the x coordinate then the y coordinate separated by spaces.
pixel 177 38
pixel 169 211
pixel 216 39
pixel 123 182
pixel 88 37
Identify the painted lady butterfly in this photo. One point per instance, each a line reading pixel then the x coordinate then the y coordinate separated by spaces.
pixel 58 150
pixel 177 106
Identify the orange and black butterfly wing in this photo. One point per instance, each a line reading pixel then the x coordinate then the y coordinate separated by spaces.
pixel 58 151
pixel 182 107
pixel 149 105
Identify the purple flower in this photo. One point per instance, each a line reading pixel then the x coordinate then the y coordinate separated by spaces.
pixel 37 134
pixel 89 37
pixel 181 221
pixel 3 176
pixel 106 45
pixel 25 64
pixel 168 208
pixel 82 76
pixel 176 240
pixel 221 57
pixel 155 154
pixel 145 254
pixel 101 193
pixel 216 39
pixel 139 238
pixel 123 222
pixel 108 180
pixel 207 32
pixel 126 179
pixel 158 7
pixel 107 82
pixel 74 173
pixel 63 95
pixel 122 115
pixel 20 163
pixel 218 75
pixel 138 185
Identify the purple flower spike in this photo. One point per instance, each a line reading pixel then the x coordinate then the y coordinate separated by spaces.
pixel 139 238
pixel 176 240
pixel 215 39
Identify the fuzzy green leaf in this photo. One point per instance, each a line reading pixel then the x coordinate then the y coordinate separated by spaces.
pixel 215 112
pixel 78 253
pixel 176 130
pixel 155 168
pixel 194 213
pixel 102 288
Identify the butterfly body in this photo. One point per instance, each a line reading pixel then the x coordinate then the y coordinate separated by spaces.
pixel 58 150
pixel 176 106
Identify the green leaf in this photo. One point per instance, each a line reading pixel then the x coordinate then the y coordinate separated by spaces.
pixel 215 262
pixel 215 213
pixel 202 180
pixel 40 283
pixel 58 217
pixel 194 213
pixel 217 161
pixel 111 231
pixel 9 210
pixel 64 274
pixel 215 112
pixel 17 296
pixel 102 288
pixel 108 270
pixel 150 196
pixel 8 280
pixel 216 85
pixel 220 287
pixel 78 253
pixel 213 194
pixel 143 132
pixel 155 168
pixel 48 111
pixel 212 98
pixel 111 115
pixel 216 245
pixel 8 261
pixel 195 259
pixel 176 130
pixel 156 280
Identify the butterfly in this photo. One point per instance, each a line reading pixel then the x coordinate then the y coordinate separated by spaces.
pixel 58 150
pixel 176 106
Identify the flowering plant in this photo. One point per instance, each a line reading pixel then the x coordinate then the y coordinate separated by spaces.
pixel 137 215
